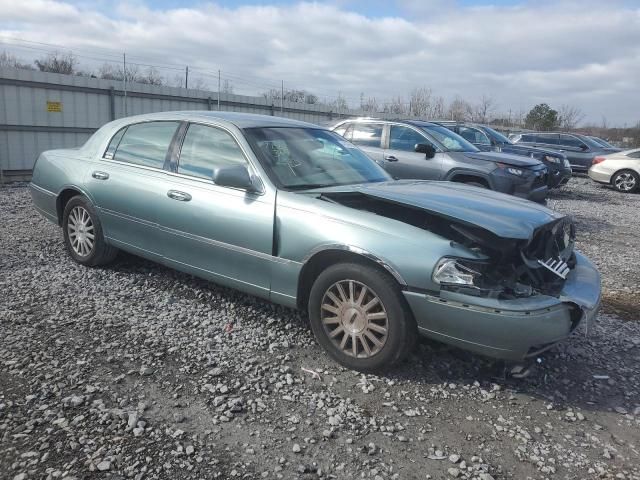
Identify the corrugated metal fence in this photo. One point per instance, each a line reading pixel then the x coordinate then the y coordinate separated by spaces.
pixel 41 111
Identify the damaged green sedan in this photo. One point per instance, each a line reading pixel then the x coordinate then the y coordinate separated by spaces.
pixel 293 213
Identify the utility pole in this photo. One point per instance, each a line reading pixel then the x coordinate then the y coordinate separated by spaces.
pixel 124 78
pixel 186 77
pixel 218 89
pixel 282 97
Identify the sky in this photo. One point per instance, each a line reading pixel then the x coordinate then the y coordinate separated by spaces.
pixel 580 53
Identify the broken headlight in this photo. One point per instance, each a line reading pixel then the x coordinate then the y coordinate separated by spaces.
pixel 452 271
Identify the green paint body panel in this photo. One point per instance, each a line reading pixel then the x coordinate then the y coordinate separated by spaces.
pixel 259 242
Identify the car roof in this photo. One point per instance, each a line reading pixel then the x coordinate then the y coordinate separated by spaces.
pixel 417 123
pixel 239 119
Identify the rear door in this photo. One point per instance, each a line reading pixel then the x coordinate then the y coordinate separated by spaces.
pixel 223 233
pixel 402 161
pixel 124 184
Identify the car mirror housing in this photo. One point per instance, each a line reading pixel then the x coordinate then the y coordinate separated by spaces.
pixel 583 147
pixel 235 176
pixel 425 148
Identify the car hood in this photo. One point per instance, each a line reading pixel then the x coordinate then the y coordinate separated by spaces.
pixel 512 147
pixel 514 160
pixel 503 215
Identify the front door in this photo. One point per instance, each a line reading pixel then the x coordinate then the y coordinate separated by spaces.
pixel 402 161
pixel 222 233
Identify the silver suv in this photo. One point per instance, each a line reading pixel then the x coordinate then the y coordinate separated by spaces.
pixel 424 150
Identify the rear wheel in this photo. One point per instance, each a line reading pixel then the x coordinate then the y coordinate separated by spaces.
pixel 358 315
pixel 83 235
pixel 626 181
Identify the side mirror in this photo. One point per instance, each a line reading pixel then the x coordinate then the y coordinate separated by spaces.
pixel 235 176
pixel 583 147
pixel 425 148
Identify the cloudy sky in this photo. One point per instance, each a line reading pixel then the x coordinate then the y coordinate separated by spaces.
pixel 582 53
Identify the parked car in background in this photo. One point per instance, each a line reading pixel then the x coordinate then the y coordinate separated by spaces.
pixel 621 170
pixel 488 139
pixel 428 151
pixel 293 213
pixel 579 149
pixel 604 143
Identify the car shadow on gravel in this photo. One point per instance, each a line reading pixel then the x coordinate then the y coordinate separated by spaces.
pixel 569 375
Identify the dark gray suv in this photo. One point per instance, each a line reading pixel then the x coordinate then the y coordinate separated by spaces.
pixel 579 149
pixel 487 139
pixel 424 150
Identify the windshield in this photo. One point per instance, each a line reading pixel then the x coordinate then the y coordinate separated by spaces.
pixel 601 142
pixel 304 158
pixel 451 141
pixel 497 136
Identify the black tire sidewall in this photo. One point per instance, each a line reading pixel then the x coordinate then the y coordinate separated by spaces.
pixel 635 175
pixel 400 320
pixel 99 244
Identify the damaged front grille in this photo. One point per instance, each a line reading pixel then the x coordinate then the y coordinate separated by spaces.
pixel 514 268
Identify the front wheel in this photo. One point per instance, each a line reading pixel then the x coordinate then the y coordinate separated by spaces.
pixel 626 181
pixel 83 235
pixel 358 315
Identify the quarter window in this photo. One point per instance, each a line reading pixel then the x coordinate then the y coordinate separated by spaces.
pixel 634 154
pixel 367 134
pixel 146 143
pixel 403 138
pixel 207 148
pixel 113 144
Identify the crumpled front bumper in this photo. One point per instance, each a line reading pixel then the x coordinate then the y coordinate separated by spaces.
pixel 510 329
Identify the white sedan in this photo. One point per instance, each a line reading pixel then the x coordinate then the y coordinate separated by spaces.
pixel 620 170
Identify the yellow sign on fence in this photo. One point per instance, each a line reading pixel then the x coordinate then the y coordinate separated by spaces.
pixel 54 106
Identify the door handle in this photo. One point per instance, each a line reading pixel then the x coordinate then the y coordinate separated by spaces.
pixel 180 196
pixel 390 158
pixel 100 175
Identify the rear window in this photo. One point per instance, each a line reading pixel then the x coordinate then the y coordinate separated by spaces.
pixel 145 144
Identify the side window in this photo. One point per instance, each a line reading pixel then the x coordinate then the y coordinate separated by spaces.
pixel 367 134
pixel 403 138
pixel 546 138
pixel 570 141
pixel 634 154
pixel 342 129
pixel 146 143
pixel 474 135
pixel 113 144
pixel 206 148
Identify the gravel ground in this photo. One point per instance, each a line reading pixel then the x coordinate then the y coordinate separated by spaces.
pixel 137 371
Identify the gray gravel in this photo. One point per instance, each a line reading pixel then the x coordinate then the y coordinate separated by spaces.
pixel 137 371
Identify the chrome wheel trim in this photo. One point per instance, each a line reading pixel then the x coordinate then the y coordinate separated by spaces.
pixel 625 181
pixel 354 319
pixel 81 231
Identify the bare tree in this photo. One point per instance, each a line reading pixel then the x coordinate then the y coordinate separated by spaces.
pixel 569 116
pixel 420 102
pixel 9 60
pixel 459 110
pixel 396 106
pixel 483 109
pixel 58 63
pixel 133 74
pixel 369 105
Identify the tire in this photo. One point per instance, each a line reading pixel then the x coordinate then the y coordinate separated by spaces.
pixel 626 181
pixel 328 316
pixel 79 222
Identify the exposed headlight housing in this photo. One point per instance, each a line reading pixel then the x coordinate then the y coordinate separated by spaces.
pixel 512 170
pixel 552 159
pixel 451 271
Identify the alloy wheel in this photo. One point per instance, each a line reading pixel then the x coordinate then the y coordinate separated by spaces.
pixel 354 318
pixel 81 231
pixel 625 182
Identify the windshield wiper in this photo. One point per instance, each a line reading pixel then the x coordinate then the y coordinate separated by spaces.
pixel 308 186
